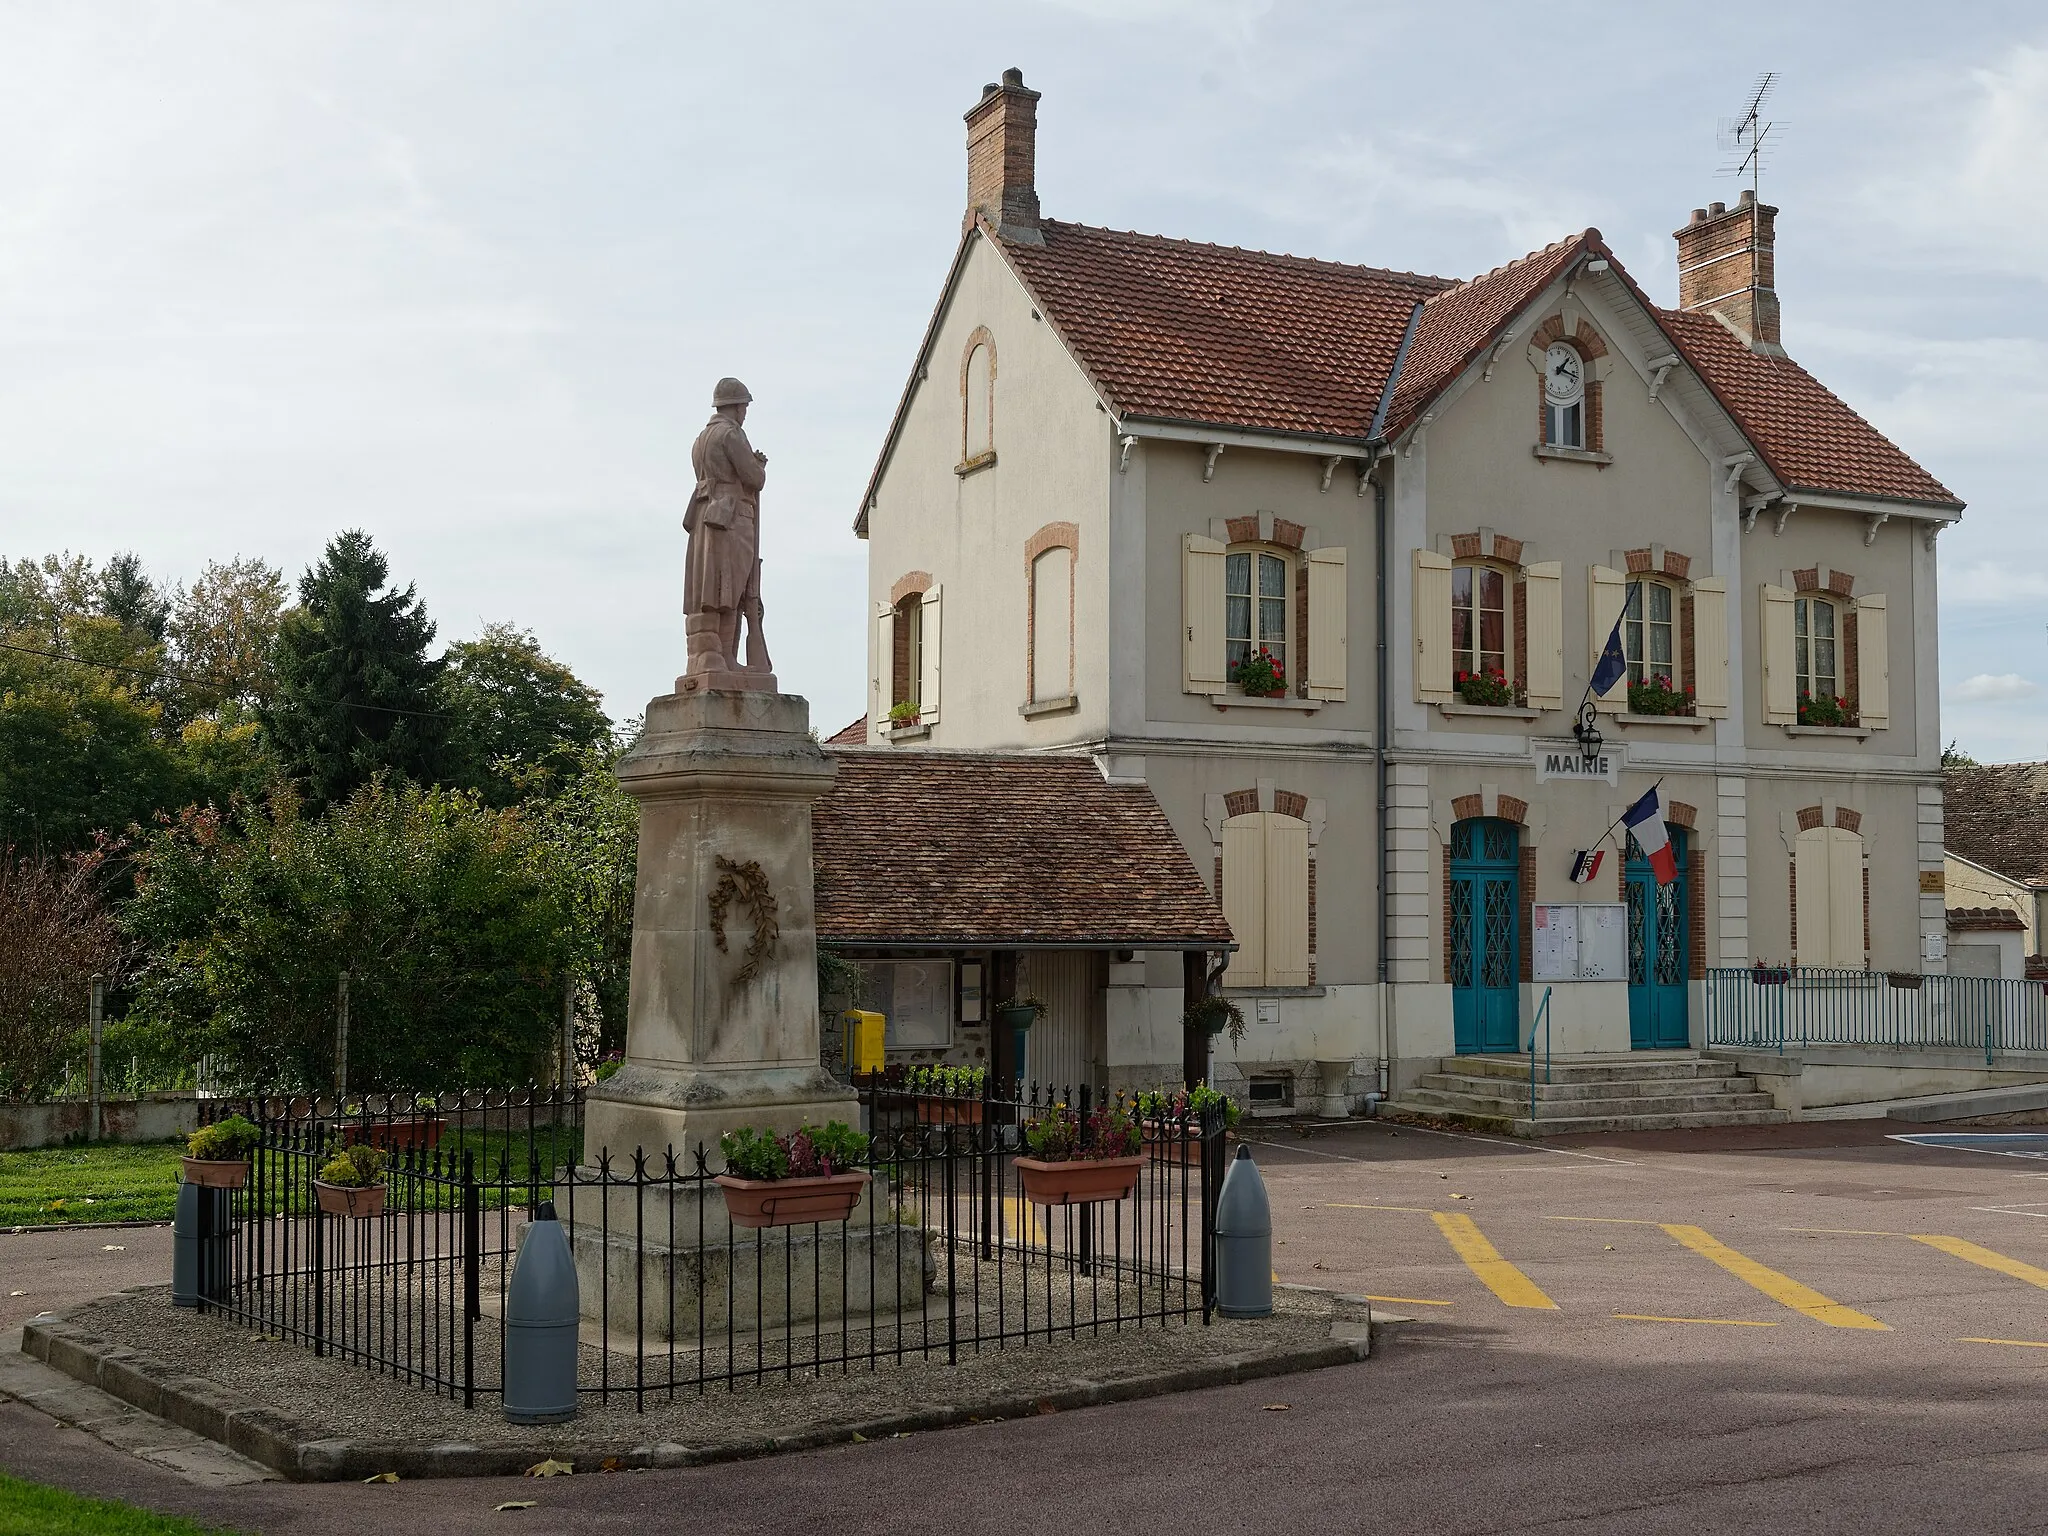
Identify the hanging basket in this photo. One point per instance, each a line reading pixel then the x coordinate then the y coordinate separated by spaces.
pixel 359 1202
pixel 1081 1181
pixel 216 1173
pixel 1016 1018
pixel 791 1202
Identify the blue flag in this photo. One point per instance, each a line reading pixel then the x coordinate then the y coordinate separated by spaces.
pixel 1613 665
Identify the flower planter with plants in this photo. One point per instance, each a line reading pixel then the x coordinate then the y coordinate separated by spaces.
pixel 1657 696
pixel 1019 1012
pixel 352 1183
pixel 1172 1121
pixel 1488 688
pixel 217 1155
pixel 1260 676
pixel 422 1131
pixel 1825 709
pixel 1075 1163
pixel 948 1095
pixel 785 1181
pixel 904 715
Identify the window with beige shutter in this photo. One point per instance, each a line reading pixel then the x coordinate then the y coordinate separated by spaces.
pixel 883 674
pixel 1328 617
pixel 1781 679
pixel 1432 617
pixel 1873 663
pixel 1265 899
pixel 1606 597
pixel 1201 611
pixel 1828 873
pixel 925 667
pixel 1710 646
pixel 1543 602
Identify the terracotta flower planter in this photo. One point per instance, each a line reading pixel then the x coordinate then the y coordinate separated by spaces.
pixel 949 1111
pixel 212 1173
pixel 359 1202
pixel 414 1131
pixel 1176 1143
pixel 1079 1182
pixel 791 1202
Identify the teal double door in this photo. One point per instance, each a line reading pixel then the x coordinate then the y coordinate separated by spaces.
pixel 1659 951
pixel 1485 936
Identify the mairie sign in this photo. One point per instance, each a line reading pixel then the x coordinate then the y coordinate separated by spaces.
pixel 1565 760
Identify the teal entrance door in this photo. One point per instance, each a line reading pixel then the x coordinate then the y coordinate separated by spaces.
pixel 1485 938
pixel 1659 942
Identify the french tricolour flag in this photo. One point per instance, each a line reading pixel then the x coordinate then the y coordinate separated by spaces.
pixel 1646 820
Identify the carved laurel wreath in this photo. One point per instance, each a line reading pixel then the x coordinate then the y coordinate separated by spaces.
pixel 747 884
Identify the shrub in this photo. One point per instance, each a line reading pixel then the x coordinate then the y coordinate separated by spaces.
pixel 356 1167
pixel 813 1150
pixel 225 1141
pixel 54 934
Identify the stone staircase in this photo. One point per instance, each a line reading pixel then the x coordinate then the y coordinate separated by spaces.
pixel 1644 1091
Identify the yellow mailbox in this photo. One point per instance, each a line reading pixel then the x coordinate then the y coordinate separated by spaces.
pixel 864 1032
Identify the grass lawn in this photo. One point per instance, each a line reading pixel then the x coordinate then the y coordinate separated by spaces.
pixel 102 1182
pixel 29 1509
pixel 105 1181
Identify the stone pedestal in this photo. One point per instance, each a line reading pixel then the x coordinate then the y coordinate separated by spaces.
pixel 720 1034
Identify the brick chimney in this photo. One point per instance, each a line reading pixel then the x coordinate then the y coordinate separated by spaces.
pixel 1727 264
pixel 1002 156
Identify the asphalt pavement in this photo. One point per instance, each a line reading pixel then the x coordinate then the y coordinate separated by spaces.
pixel 1807 1328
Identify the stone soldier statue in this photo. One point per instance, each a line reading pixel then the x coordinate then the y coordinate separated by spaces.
pixel 722 576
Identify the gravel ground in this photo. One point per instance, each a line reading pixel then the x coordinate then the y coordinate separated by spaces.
pixel 349 1402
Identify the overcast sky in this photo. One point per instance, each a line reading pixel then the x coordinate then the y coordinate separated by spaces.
pixel 463 274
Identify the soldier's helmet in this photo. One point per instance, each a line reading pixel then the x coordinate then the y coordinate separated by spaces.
pixel 730 392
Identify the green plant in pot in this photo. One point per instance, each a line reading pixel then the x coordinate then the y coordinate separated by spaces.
pixel 1071 1161
pixel 777 1180
pixel 1215 1014
pixel 217 1155
pixel 1019 1012
pixel 904 713
pixel 948 1095
pixel 351 1183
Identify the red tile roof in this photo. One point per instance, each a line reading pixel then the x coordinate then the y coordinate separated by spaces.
pixel 993 849
pixel 1220 335
pixel 854 735
pixel 1996 815
pixel 1809 439
pixel 1229 337
pixel 1985 920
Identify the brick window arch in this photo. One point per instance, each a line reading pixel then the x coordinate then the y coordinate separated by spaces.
pixel 1577 423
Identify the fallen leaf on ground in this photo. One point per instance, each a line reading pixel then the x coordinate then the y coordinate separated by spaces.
pixel 609 1464
pixel 859 1438
pixel 17 1293
pixel 1456 1196
pixel 382 1477
pixel 1608 1249
pixel 517 1504
pixel 1276 1407
pixel 551 1468
pixel 113 1247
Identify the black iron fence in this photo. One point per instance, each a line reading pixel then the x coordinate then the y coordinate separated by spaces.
pixel 951 1246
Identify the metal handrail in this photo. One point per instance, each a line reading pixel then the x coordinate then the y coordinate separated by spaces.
pixel 1542 1019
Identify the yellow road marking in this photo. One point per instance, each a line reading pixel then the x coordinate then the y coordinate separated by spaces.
pixel 1986 1258
pixel 1718 1322
pixel 1782 1289
pixel 1483 1259
pixel 2022 1343
pixel 1415 1210
pixel 1410 1301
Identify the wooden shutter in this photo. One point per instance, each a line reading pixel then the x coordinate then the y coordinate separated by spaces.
pixel 1543 593
pixel 1244 898
pixel 1845 898
pixel 1781 678
pixel 1328 600
pixel 1201 615
pixel 1873 663
pixel 928 644
pixel 1710 646
pixel 1286 902
pixel 1432 628
pixel 1810 866
pixel 1606 594
pixel 884 680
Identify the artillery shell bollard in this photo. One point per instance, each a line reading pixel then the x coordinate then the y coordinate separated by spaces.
pixel 541 1308
pixel 199 1243
pixel 1244 1241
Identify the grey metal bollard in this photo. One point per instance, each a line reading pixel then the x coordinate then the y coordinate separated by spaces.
pixel 541 1308
pixel 1244 1241
pixel 199 1243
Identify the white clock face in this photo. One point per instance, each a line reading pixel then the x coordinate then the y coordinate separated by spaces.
pixel 1564 374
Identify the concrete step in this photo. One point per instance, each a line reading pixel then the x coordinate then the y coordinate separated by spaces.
pixel 1566 1069
pixel 1603 1108
pixel 1598 1088
pixel 1566 1125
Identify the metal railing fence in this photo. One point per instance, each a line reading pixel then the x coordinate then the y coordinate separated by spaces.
pixel 944 1256
pixel 1777 1008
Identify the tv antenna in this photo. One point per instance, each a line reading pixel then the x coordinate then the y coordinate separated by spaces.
pixel 1749 136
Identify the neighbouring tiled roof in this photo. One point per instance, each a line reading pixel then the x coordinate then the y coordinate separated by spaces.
pixel 854 735
pixel 1809 438
pixel 1221 335
pixel 1997 815
pixel 1985 920
pixel 988 848
pixel 1460 322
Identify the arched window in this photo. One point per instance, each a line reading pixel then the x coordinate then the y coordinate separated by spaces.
pixel 1257 588
pixel 1564 396
pixel 1481 621
pixel 1649 632
pixel 1816 625
pixel 906 668
pixel 978 389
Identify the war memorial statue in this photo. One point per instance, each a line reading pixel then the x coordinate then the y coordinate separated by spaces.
pixel 722 573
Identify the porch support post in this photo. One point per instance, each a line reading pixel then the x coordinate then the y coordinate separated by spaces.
pixel 1194 971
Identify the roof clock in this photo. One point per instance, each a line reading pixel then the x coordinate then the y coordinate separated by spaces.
pixel 1564 374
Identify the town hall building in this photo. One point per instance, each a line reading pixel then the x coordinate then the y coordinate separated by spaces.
pixel 1323 556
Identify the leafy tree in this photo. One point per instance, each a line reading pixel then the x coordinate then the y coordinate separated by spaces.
pixel 511 706
pixel 221 630
pixel 55 934
pixel 437 907
pixel 586 834
pixel 128 597
pixel 356 693
pixel 1953 756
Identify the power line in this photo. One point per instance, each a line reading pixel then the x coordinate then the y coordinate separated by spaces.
pixel 223 684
